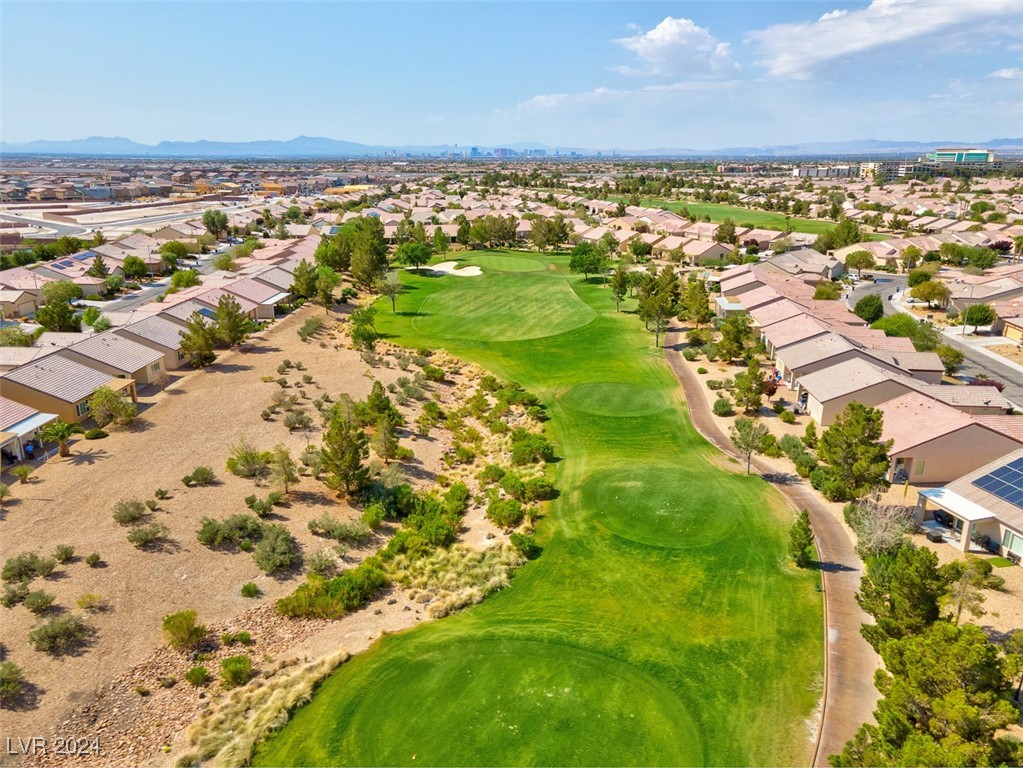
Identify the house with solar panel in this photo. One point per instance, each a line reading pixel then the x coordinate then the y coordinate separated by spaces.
pixel 982 510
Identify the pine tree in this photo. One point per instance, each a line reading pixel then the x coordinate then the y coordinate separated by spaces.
pixel 619 286
pixel 231 325
pixel 283 468
pixel 749 387
pixel 800 540
pixel 197 341
pixel 343 451
pixel 304 280
pixel 385 441
pixel 853 448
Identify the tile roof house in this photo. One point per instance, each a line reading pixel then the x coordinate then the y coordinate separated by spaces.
pixel 116 355
pixel 160 334
pixel 60 385
pixel 20 424
pixel 935 443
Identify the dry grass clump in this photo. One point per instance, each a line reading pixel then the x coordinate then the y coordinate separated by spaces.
pixel 455 578
pixel 226 736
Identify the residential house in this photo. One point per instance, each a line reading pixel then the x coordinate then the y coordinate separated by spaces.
pixel 61 385
pixel 19 425
pixel 159 334
pixel 116 355
pixel 16 303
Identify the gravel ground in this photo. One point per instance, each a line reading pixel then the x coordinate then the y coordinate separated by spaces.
pixel 192 421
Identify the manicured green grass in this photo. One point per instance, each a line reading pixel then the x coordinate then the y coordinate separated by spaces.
pixel 1000 562
pixel 507 261
pixel 662 625
pixel 763 219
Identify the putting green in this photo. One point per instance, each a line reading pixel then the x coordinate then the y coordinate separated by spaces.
pixel 663 622
pixel 497 310
pixel 606 398
pixel 507 263
pixel 519 702
pixel 661 506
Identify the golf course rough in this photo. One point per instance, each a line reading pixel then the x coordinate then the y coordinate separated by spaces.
pixel 662 625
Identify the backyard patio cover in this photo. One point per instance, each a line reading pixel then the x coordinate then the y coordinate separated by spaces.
pixel 961 507
pixel 32 423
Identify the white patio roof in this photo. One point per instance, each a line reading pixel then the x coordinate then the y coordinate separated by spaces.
pixel 960 506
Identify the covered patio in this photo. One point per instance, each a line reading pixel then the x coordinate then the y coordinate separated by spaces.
pixel 946 516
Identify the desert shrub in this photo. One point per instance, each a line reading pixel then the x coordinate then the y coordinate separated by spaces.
pixel 200 476
pixel 197 676
pixel 235 670
pixel 276 551
pixel 433 373
pixel 14 594
pixel 239 530
pixel 373 515
pixel 250 589
pixel 160 494
pixel 91 602
pixel 322 563
pixel 539 489
pixel 778 407
pixel 60 635
pixel 64 553
pixel 148 536
pixel 769 447
pixel 690 354
pixel 328 526
pixel 528 448
pixel 309 327
pixel 182 631
pixel 333 598
pixel 492 473
pixel 792 446
pixel 263 507
pixel 819 477
pixel 711 351
pixel 129 511
pixel 38 601
pixel 723 407
pixel 26 566
pixel 701 370
pixel 12 681
pixel 297 419
pixel 505 513
pixel 247 461
pixel 787 417
pixel 512 485
pixel 93 560
pixel 714 384
pixel 805 464
pixel 95 434
pixel 151 505
pixel 699 337
pixel 525 545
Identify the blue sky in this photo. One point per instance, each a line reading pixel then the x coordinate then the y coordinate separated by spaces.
pixel 592 74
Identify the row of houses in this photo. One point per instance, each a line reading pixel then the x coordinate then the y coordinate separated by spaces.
pixel 828 358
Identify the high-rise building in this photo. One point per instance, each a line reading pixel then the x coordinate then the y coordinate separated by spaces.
pixel 960 156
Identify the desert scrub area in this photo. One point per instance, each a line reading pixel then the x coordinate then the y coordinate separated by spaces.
pixel 205 503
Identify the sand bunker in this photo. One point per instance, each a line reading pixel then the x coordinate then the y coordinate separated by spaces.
pixel 451 268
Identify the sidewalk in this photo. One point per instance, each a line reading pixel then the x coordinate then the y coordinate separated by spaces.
pixel 980 344
pixel 849 695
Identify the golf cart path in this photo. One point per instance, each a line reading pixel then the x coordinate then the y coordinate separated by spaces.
pixel 849 695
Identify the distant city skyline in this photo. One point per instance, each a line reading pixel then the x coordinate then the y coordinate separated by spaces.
pixel 634 75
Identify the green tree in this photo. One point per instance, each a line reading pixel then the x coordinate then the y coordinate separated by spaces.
pixel 586 259
pixel 800 540
pixel 345 448
pixel 107 405
pixel 60 432
pixel 185 278
pixel 736 336
pixel 413 254
pixel 902 594
pixel 98 268
pixel 231 324
pixel 385 441
pixel 326 281
pixel 303 283
pixel 869 308
pixel 389 286
pixel 134 268
pixel 197 341
pixel 368 248
pixel 846 232
pixel 215 222
pixel 748 438
pixel 59 316
pixel 283 468
pixel 853 448
pixel 176 249
pixel 827 291
pixel 933 292
pixel 725 232
pixel 860 260
pixel 950 357
pixel 965 591
pixel 656 310
pixel 749 387
pixel 979 314
pixel 696 303
pixel 924 336
pixel 619 286
pixel 61 292
pixel 441 242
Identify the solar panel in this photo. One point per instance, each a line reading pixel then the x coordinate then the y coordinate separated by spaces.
pixel 1005 482
pixel 58 266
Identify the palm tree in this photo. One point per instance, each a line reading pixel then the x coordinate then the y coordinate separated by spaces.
pixel 60 432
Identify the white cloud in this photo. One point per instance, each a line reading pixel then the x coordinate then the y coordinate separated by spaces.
pixel 796 50
pixel 677 47
pixel 1013 73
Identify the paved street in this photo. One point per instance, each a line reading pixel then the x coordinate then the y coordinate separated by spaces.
pixel 884 285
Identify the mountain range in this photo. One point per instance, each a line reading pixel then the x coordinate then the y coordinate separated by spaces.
pixel 320 147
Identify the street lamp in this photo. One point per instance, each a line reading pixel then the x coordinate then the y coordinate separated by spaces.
pixel 965 310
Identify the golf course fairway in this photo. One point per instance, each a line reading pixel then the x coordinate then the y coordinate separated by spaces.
pixel 663 624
